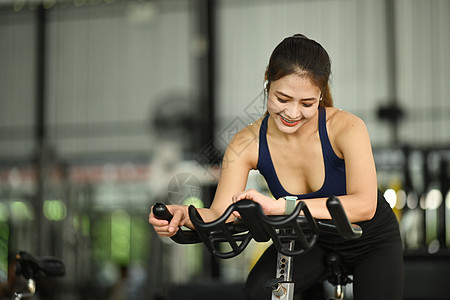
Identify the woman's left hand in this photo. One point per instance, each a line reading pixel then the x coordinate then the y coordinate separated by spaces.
pixel 269 205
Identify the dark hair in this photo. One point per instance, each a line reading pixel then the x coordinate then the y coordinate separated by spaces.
pixel 300 55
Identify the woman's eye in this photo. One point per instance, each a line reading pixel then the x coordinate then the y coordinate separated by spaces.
pixel 307 104
pixel 281 100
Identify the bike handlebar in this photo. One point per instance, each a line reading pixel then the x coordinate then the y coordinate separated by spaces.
pixel 303 229
pixel 343 226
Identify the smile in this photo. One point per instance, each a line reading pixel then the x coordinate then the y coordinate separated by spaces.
pixel 289 122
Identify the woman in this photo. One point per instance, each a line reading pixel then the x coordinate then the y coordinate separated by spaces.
pixel 306 148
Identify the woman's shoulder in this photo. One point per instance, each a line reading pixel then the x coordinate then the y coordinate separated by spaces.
pixel 344 128
pixel 251 131
pixel 244 144
pixel 338 120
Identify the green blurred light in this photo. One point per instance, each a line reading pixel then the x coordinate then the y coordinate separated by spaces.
pixel 4 212
pixel 101 237
pixel 48 3
pixel 76 222
pixel 18 5
pixel 55 210
pixel 82 223
pixel 20 211
pixel 120 236
pixel 195 201
pixel 3 256
pixel 79 2
pixel 4 231
pixel 85 225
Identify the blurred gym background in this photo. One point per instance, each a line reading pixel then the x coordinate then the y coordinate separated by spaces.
pixel 108 106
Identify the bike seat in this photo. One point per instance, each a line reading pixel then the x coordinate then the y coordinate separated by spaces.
pixel 338 273
pixel 31 267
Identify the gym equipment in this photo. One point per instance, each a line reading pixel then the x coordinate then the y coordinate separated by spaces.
pixel 292 235
pixel 32 268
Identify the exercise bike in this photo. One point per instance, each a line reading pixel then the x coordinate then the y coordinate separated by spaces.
pixel 32 268
pixel 292 235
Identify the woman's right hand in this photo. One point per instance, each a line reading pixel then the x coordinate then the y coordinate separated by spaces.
pixel 166 229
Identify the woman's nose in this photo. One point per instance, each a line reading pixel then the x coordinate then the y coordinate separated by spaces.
pixel 293 110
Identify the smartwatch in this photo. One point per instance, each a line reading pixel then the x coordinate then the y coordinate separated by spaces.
pixel 291 202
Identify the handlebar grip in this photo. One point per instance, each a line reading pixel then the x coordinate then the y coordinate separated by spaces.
pixel 161 212
pixel 343 226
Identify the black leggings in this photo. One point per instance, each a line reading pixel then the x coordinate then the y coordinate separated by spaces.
pixel 377 272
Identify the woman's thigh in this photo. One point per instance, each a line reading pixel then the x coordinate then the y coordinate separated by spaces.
pixel 379 275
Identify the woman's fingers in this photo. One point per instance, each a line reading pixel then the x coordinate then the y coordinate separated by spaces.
pixel 269 205
pixel 175 223
pixel 249 194
pixel 243 195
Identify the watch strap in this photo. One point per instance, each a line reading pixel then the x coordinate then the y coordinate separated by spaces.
pixel 291 202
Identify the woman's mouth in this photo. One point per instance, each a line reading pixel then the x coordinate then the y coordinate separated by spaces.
pixel 288 122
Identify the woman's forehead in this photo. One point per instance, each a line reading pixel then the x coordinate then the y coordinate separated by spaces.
pixel 294 85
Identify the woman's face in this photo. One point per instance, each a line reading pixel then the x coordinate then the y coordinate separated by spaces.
pixel 292 102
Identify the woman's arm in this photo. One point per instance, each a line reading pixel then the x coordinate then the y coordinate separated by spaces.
pixel 240 157
pixel 350 140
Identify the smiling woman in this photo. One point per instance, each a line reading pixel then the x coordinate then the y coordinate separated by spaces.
pixel 308 150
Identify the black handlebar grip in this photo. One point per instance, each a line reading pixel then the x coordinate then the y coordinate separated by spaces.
pixel 161 212
pixel 343 226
